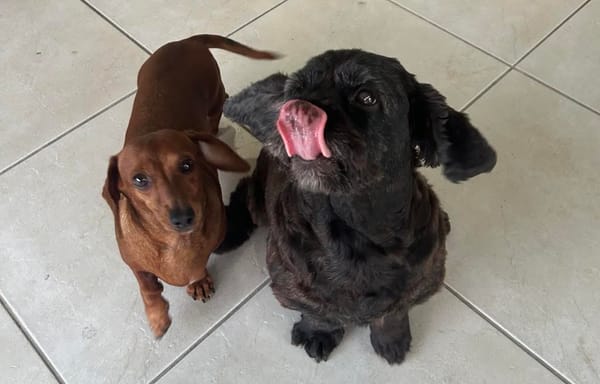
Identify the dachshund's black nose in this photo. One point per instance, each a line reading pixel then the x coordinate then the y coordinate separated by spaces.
pixel 182 218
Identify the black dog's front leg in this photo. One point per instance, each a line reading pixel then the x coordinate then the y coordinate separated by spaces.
pixel 246 207
pixel 390 336
pixel 239 219
pixel 318 336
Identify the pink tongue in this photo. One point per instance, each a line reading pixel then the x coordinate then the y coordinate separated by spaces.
pixel 302 128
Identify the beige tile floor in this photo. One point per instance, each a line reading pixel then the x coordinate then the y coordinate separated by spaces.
pixel 521 303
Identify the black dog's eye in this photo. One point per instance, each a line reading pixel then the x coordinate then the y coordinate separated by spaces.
pixel 141 181
pixel 366 98
pixel 186 166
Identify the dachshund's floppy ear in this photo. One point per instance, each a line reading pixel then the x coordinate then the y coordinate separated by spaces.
pixel 110 191
pixel 444 136
pixel 218 154
pixel 257 106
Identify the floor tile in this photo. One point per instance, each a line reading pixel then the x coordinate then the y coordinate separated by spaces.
pixel 506 28
pixel 450 345
pixel 569 60
pixel 62 272
pixel 155 22
pixel 19 363
pixel 245 144
pixel 524 242
pixel 60 63
pixel 314 26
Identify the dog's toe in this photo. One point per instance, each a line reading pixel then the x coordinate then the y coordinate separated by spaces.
pixel 317 344
pixel 394 350
pixel 201 289
pixel 299 337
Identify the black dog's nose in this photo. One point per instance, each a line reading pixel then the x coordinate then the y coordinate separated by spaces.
pixel 182 218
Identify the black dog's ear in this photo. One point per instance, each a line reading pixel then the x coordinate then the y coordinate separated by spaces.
pixel 257 106
pixel 444 136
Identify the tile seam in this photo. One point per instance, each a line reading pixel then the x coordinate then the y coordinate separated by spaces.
pixel 508 334
pixel 556 90
pixel 65 133
pixel 449 32
pixel 550 33
pixel 117 26
pixel 518 61
pixel 31 339
pixel 210 331
pixel 117 101
pixel 247 23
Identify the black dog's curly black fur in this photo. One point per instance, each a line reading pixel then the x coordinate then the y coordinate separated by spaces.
pixel 357 238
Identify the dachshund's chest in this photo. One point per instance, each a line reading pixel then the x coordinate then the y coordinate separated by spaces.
pixel 175 261
pixel 181 265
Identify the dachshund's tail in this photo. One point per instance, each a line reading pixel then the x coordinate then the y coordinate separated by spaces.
pixel 221 42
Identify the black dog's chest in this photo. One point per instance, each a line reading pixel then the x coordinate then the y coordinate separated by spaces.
pixel 355 257
pixel 318 253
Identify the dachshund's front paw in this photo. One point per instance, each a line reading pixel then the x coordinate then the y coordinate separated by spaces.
pixel 158 317
pixel 201 289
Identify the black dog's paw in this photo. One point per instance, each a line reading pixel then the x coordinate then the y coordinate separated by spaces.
pixel 392 349
pixel 317 344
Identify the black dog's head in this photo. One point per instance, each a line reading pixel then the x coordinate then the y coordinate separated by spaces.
pixel 349 118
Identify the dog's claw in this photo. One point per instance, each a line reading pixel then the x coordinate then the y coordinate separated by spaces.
pixel 317 344
pixel 201 289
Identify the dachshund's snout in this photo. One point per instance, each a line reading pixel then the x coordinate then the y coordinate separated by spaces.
pixel 182 219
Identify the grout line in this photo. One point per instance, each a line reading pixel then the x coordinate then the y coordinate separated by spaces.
pixel 444 29
pixel 563 94
pixel 511 66
pixel 35 344
pixel 256 18
pixel 544 38
pixel 210 331
pixel 148 50
pixel 117 26
pixel 485 89
pixel 524 347
pixel 65 133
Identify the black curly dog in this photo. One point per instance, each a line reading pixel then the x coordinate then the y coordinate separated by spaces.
pixel 356 235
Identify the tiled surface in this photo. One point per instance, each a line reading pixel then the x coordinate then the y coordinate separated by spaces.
pixel 65 268
pixel 19 363
pixel 59 63
pixel 568 57
pixel 524 242
pixel 450 345
pixel 456 69
pixel 154 22
pixel 525 247
pixel 505 28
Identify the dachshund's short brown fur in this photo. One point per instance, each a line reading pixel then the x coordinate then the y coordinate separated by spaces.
pixel 163 187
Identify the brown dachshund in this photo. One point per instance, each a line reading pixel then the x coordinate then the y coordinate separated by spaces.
pixel 163 187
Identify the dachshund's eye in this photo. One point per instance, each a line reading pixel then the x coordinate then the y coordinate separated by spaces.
pixel 186 166
pixel 365 98
pixel 141 181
